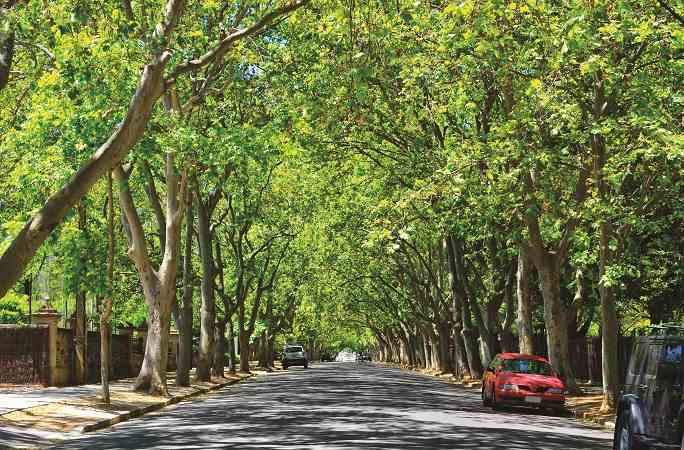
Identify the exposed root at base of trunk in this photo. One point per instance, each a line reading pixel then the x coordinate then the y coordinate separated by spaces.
pixel 608 404
pixel 144 384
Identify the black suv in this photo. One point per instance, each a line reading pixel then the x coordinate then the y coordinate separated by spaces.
pixel 650 411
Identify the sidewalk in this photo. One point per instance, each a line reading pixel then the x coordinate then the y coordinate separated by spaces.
pixel 34 416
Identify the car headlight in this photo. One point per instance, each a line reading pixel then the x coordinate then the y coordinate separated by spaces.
pixel 555 391
pixel 510 387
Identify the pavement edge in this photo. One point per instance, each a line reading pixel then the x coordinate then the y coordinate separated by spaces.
pixel 106 423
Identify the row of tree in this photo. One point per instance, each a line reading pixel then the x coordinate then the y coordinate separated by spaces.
pixel 521 173
pixel 444 180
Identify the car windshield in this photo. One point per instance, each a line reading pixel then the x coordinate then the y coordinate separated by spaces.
pixel 529 366
pixel 293 349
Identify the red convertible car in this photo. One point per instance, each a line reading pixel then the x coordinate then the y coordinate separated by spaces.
pixel 522 380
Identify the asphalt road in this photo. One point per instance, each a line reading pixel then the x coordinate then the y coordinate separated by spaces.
pixel 337 406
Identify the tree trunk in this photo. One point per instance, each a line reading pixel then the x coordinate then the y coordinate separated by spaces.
pixel 609 327
pixel 434 352
pixel 80 338
pixel 271 351
pixel 244 350
pixel 489 338
pixel 460 357
pixel 105 331
pixel 231 347
pixel 554 319
pixel 152 376
pixel 184 363
pixel 445 363
pixel 207 311
pixel 525 327
pixel 159 288
pixel 506 333
pixel 105 358
pixel 6 55
pixel 462 304
pixel 219 350
pixel 80 323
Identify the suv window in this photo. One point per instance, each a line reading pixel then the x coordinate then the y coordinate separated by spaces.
pixel 293 349
pixel 637 364
pixel 654 354
pixel 672 353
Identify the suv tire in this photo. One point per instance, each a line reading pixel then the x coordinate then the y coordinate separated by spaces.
pixel 284 366
pixel 682 447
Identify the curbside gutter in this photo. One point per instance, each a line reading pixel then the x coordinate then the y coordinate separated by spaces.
pixel 123 417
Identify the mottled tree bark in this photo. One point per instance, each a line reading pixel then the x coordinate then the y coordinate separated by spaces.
pixel 80 322
pixel 184 362
pixel 231 348
pixel 6 56
pixel 219 350
pixel 159 287
pixel 105 316
pixel 207 310
pixel 525 327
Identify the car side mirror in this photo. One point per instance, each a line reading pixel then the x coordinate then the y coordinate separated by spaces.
pixel 667 372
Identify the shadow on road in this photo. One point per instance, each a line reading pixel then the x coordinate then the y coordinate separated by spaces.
pixel 346 407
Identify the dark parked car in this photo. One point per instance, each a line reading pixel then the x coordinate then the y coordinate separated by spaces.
pixel 650 410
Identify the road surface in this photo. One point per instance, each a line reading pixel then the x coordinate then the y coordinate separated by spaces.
pixel 338 406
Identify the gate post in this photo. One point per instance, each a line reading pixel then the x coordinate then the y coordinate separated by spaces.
pixel 46 315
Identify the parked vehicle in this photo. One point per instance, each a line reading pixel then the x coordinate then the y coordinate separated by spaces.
pixel 650 412
pixel 522 380
pixel 293 355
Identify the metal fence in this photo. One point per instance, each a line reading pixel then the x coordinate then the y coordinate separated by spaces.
pixel 586 358
pixel 24 354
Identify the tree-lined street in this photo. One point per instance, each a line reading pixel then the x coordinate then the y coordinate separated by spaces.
pixel 345 406
pixel 197 185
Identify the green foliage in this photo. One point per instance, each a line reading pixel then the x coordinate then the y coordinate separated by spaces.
pixel 13 309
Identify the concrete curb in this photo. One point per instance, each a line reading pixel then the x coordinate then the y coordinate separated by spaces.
pixel 106 423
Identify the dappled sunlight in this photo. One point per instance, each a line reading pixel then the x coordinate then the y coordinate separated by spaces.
pixel 345 407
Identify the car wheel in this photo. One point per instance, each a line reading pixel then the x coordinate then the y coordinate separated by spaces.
pixel 284 366
pixel 492 401
pixel 624 435
pixel 682 447
pixel 485 399
pixel 306 365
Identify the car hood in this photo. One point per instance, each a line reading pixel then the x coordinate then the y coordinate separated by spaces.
pixel 530 380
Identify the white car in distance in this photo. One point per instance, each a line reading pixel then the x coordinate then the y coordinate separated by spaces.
pixel 346 355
